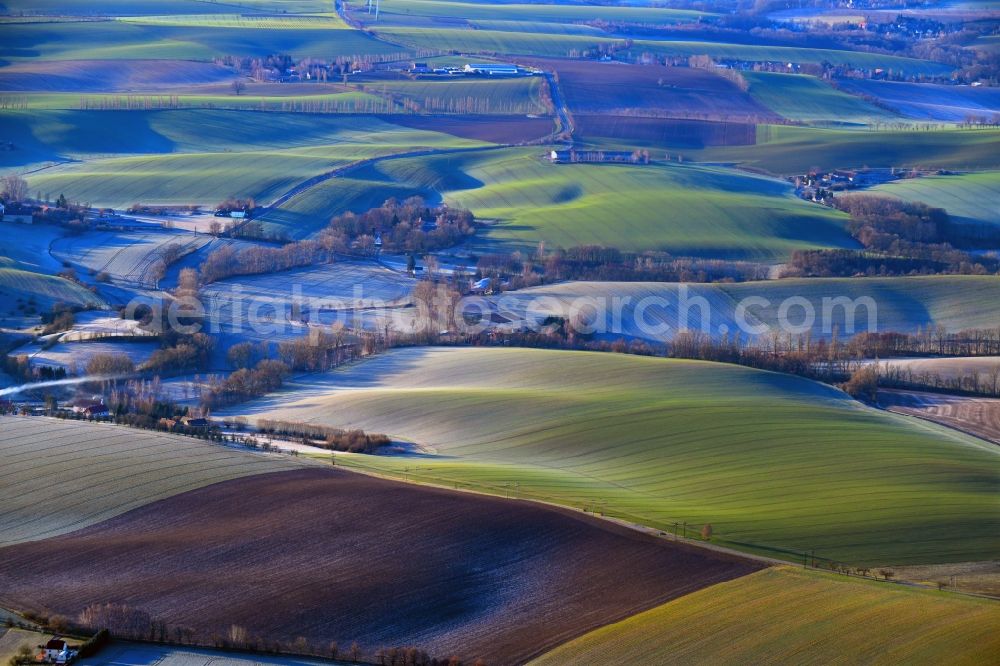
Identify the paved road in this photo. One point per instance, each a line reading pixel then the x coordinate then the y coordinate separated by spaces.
pixel 566 126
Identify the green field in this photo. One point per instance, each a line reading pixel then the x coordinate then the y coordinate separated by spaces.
pixel 686 210
pixel 346 101
pixel 767 459
pixel 972 198
pixel 785 615
pixel 155 7
pixel 191 178
pixel 402 11
pixel 119 40
pixel 56 135
pixel 905 303
pixel 690 210
pixel 808 99
pixel 518 96
pixel 901 304
pixel 101 471
pixel 195 156
pixel 242 21
pixel 19 286
pixel 791 150
pixel 312 209
pixel 548 44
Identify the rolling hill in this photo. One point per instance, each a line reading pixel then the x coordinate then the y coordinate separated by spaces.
pixel 773 462
pixel 785 615
pixel 928 101
pixel 969 198
pixel 686 210
pixel 481 576
pixel 644 309
pixel 37 292
pixel 117 158
pixel 101 471
pixel 809 99
pixel 795 150
pixel 179 38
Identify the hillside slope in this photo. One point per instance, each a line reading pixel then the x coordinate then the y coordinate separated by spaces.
pixel 328 555
pixel 768 459
pixel 786 615
pixel 59 476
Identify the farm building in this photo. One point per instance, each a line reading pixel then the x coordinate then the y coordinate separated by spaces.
pixel 57 651
pixel 119 223
pixel 91 409
pixel 17 213
pixel 572 156
pixel 870 177
pixel 492 69
pixel 194 422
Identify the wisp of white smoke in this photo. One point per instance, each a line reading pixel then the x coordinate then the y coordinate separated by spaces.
pixel 14 390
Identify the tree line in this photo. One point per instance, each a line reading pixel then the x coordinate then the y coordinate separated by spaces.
pixel 594 262
pixel 327 437
pixel 122 621
pixel 899 238
pixel 228 261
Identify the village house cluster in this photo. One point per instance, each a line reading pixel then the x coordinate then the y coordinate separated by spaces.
pixel 819 186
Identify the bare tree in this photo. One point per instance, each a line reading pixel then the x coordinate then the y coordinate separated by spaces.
pixel 237 635
pixel 156 272
pixel 15 188
pixel 187 281
pixel 238 86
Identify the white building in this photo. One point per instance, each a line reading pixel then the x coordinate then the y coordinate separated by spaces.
pixel 57 651
pixel 491 69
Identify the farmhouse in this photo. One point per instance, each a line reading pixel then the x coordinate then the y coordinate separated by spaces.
pixel 57 651
pixel 91 409
pixel 492 69
pixel 17 213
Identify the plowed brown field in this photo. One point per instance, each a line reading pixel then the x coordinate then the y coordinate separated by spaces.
pixel 331 555
pixel 976 416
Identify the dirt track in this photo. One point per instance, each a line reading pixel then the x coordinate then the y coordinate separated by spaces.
pixel 330 555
